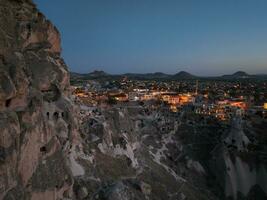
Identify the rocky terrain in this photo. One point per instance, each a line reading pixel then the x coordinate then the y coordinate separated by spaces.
pixel 131 153
pixel 51 148
pixel 136 152
pixel 37 126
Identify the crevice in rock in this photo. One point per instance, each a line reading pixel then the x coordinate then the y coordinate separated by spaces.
pixel 43 149
pixel 7 103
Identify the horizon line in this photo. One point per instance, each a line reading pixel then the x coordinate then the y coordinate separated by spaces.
pixel 170 74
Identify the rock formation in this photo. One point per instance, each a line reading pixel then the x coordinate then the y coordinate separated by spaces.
pixel 37 126
pixel 241 171
pixel 129 152
pixel 132 152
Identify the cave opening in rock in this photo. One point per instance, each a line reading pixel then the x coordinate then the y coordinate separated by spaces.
pixel 8 102
pixel 55 115
pixel 43 149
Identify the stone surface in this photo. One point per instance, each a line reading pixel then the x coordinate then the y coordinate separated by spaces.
pixel 37 119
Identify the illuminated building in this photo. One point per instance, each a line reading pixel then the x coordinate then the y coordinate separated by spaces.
pixel 120 97
pixel 81 94
pixel 133 96
pixel 174 100
pixel 147 97
pixel 239 104
pixel 173 108
pixel 171 98
pixel 186 98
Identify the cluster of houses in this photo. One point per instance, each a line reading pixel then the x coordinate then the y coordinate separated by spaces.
pixel 221 108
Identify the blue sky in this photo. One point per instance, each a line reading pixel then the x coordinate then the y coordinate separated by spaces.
pixel 203 37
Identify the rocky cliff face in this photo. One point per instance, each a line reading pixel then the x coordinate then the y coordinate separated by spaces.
pixel 37 125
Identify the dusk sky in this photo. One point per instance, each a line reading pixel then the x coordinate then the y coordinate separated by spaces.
pixel 203 37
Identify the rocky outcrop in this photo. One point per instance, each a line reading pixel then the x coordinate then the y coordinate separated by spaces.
pixel 129 152
pixel 239 167
pixel 38 127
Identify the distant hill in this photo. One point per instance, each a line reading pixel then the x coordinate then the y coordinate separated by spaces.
pixel 237 75
pixel 97 73
pixel 183 75
pixel 159 75
pixel 244 75
pixel 240 74
pixel 156 75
